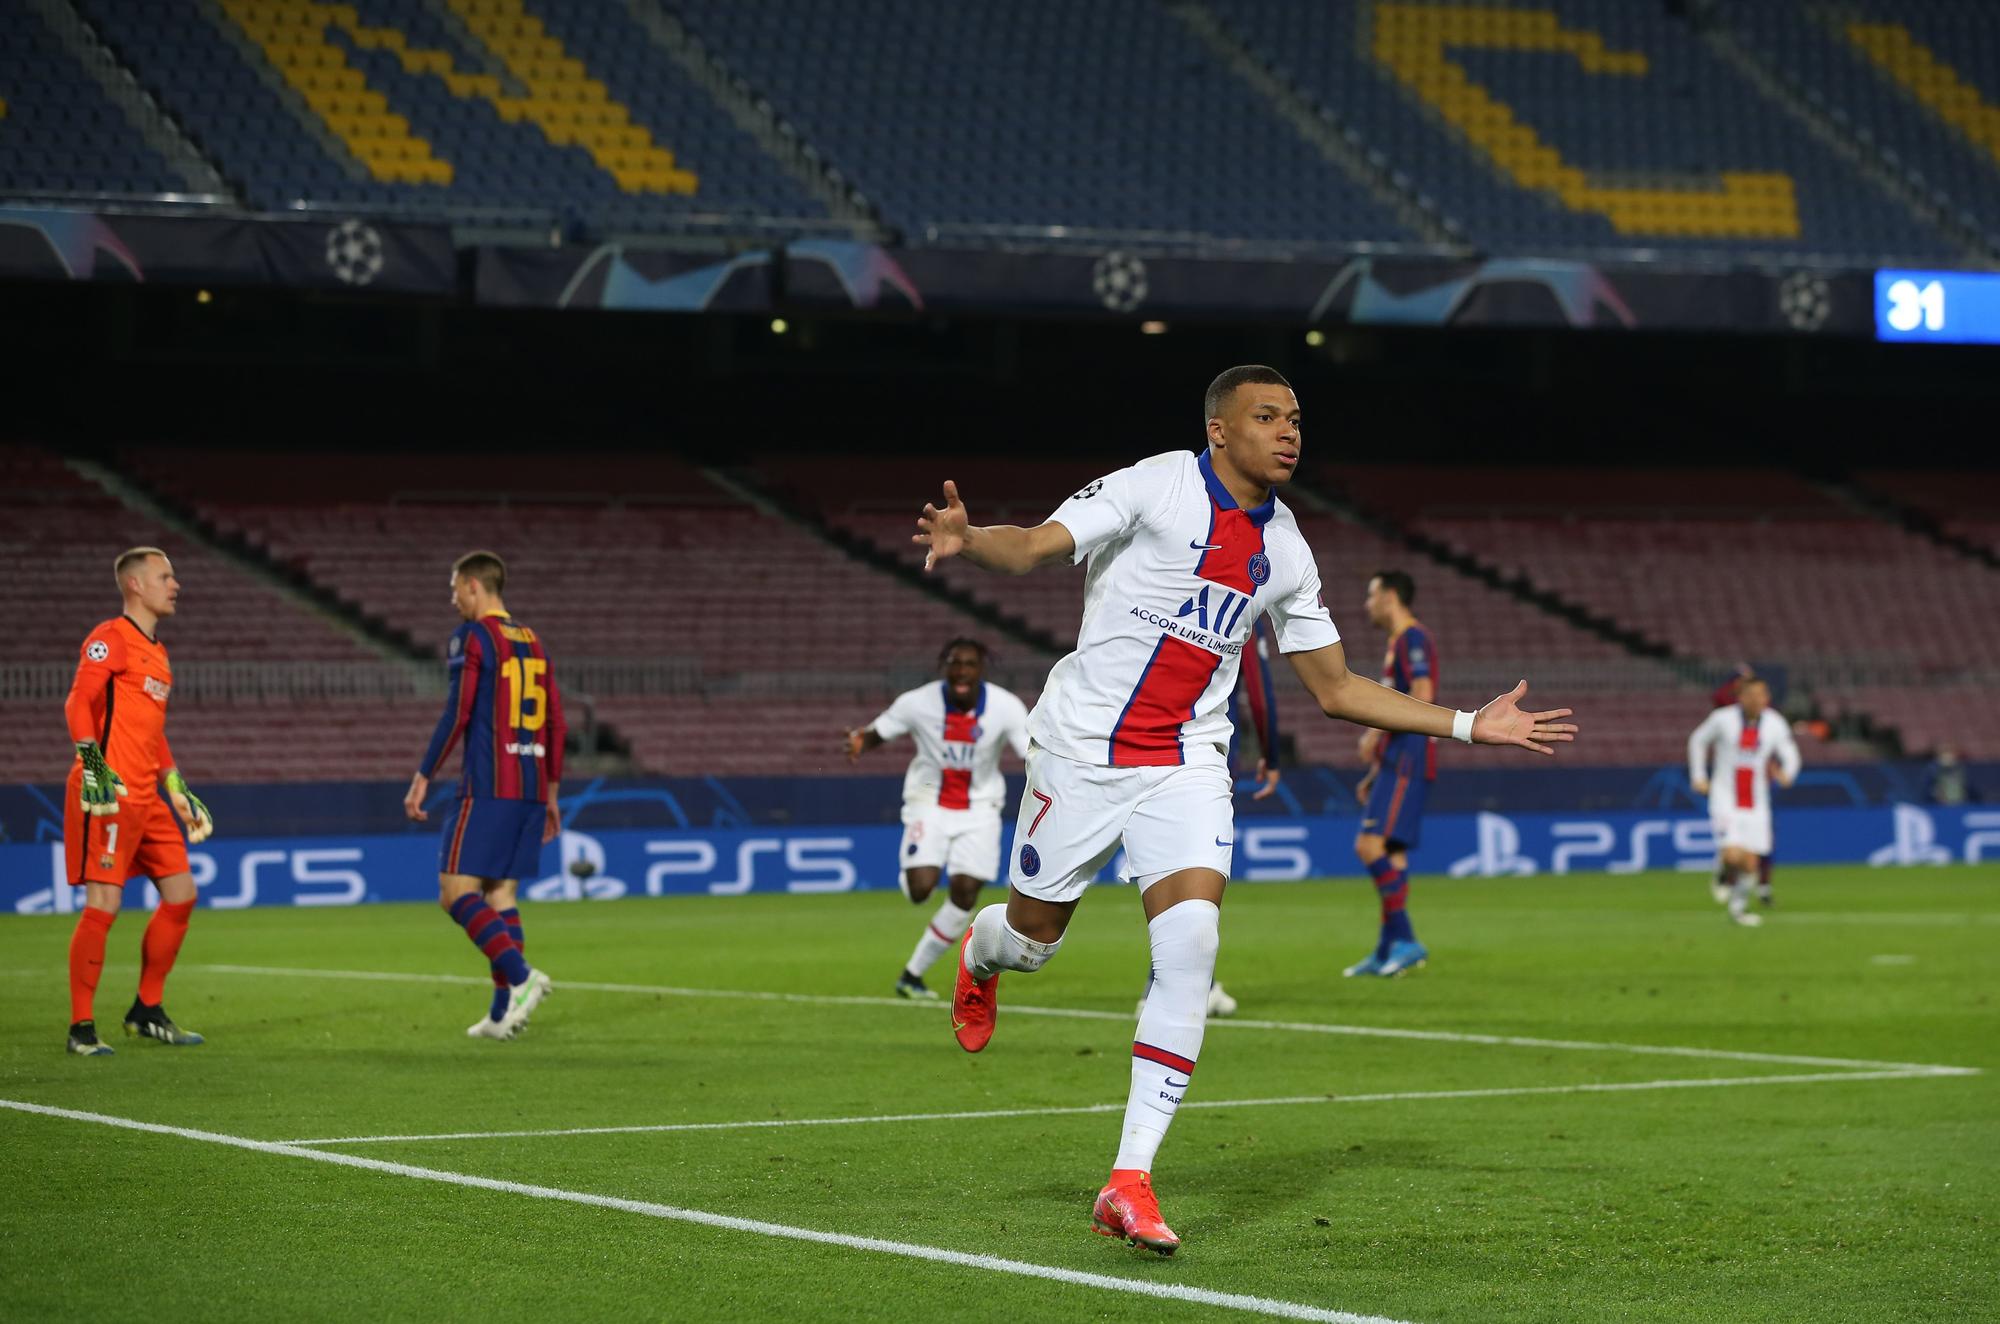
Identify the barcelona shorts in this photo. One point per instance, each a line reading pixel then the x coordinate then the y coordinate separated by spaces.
pixel 141 840
pixel 1395 808
pixel 491 838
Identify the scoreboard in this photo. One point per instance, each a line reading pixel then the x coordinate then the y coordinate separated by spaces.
pixel 1945 307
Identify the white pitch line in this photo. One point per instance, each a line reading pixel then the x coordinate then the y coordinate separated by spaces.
pixel 1897 918
pixel 1093 1014
pixel 1078 1110
pixel 937 1255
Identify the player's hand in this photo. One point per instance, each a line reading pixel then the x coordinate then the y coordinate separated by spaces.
pixel 1502 722
pixel 1701 786
pixel 413 799
pixel 194 814
pixel 1267 778
pixel 1369 743
pixel 850 744
pixel 551 822
pixel 102 788
pixel 943 531
pixel 1366 785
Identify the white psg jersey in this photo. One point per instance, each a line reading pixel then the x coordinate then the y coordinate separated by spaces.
pixel 957 764
pixel 1178 576
pixel 1740 757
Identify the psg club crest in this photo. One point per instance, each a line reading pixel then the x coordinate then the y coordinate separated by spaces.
pixel 1031 861
pixel 1260 568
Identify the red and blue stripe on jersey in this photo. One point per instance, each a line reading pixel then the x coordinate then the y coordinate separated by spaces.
pixel 1746 777
pixel 961 727
pixel 1148 733
pixel 1412 657
pixel 513 741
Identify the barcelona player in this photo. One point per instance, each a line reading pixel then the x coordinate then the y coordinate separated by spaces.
pixel 503 704
pixel 116 822
pixel 1401 768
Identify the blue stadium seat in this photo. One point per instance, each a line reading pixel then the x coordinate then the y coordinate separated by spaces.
pixel 1035 114
pixel 257 125
pixel 60 133
pixel 1685 118
pixel 1815 50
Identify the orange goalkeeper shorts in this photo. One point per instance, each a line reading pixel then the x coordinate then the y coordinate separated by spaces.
pixel 142 840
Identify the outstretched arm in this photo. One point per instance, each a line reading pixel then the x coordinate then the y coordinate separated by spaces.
pixel 859 741
pixel 1343 694
pixel 1006 548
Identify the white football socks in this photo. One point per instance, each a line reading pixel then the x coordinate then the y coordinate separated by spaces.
pixel 995 946
pixel 1171 1023
pixel 946 927
pixel 1739 896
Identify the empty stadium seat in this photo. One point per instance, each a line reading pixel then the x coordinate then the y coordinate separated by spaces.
pixel 522 112
pixel 1558 125
pixel 59 133
pixel 1037 118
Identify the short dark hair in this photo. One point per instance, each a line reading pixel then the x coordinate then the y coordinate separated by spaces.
pixel 128 558
pixel 963 641
pixel 486 567
pixel 1399 583
pixel 1224 386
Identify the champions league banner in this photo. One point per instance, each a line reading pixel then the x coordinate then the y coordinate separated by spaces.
pixel 338 253
pixel 617 277
pixel 360 253
pixel 1363 290
pixel 587 865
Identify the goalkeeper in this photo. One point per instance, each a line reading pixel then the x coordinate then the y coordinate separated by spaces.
pixel 117 824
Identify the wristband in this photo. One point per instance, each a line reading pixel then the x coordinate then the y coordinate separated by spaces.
pixel 1461 727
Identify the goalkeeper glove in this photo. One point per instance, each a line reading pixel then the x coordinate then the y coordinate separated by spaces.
pixel 102 787
pixel 192 811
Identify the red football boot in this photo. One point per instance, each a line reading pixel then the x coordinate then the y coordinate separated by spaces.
pixel 973 1002
pixel 1127 1208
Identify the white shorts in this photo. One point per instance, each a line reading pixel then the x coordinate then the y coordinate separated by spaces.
pixel 1074 816
pixel 1745 829
pixel 957 841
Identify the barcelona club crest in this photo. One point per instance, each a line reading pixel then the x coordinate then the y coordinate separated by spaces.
pixel 1031 861
pixel 1260 568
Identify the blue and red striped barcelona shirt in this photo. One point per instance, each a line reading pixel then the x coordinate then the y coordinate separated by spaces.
pixel 1412 657
pixel 503 702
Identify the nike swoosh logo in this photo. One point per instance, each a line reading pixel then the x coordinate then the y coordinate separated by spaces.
pixel 1173 1084
pixel 1220 842
pixel 1206 546
pixel 956 1026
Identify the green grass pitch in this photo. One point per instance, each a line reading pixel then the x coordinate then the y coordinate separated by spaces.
pixel 1492 1188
